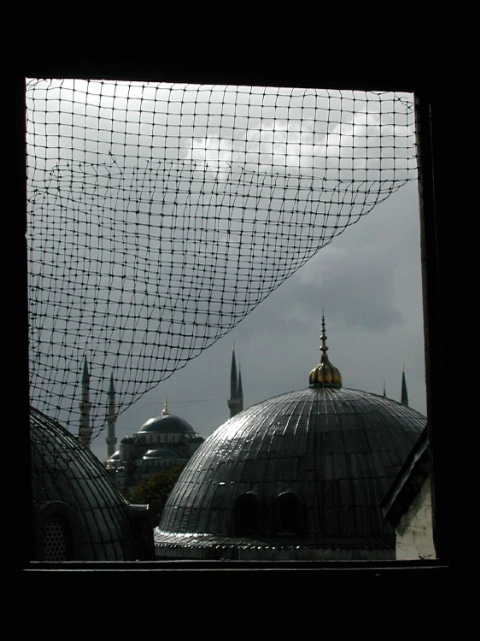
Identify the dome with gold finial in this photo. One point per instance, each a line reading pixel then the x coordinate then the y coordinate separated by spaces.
pixel 297 476
pixel 163 442
pixel 167 422
pixel 325 374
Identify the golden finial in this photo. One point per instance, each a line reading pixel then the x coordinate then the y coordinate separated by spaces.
pixel 325 374
pixel 323 338
pixel 165 411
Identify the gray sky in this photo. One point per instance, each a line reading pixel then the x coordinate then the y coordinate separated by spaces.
pixel 142 194
pixel 368 284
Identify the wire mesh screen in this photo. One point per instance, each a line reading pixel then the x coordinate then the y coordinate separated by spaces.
pixel 160 215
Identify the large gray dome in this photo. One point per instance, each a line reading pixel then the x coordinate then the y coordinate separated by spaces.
pixel 305 469
pixel 299 476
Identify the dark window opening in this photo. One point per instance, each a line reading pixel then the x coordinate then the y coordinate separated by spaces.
pixel 247 515
pixel 288 514
pixel 57 540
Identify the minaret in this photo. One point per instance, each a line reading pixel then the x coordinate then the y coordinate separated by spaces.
pixel 111 439
pixel 240 390
pixel 85 430
pixel 404 394
pixel 235 402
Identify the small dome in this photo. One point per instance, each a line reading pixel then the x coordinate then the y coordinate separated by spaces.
pixel 74 493
pixel 167 424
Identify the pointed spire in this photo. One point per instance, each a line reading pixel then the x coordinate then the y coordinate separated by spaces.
pixel 165 411
pixel 111 389
pixel 240 390
pixel 235 403
pixel 325 374
pixel 404 393
pixel 85 430
pixel 85 375
pixel 111 439
pixel 233 375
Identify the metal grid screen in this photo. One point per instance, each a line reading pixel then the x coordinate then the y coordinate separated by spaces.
pixel 160 215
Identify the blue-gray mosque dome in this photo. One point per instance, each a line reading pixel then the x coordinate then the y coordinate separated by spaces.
pixel 299 476
pixel 167 424
pixel 79 513
pixel 162 443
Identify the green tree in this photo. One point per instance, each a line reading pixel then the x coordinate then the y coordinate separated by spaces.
pixel 155 491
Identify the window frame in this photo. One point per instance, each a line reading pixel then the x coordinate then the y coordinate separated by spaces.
pixel 438 281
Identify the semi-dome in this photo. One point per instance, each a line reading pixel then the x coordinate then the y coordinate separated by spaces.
pixel 167 423
pixel 300 475
pixel 79 512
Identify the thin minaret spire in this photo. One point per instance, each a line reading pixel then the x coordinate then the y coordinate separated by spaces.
pixel 235 402
pixel 85 429
pixel 240 390
pixel 404 393
pixel 111 439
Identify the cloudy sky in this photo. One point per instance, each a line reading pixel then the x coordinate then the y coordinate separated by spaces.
pixel 367 282
pixel 161 214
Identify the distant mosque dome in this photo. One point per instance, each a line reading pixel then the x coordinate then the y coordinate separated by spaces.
pixel 79 513
pixel 299 476
pixel 171 424
pixel 162 443
pixel 167 423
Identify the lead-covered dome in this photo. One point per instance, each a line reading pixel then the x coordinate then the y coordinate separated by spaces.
pixel 79 512
pixel 300 475
pixel 167 423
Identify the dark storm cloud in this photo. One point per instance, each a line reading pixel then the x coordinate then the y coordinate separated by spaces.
pixel 366 291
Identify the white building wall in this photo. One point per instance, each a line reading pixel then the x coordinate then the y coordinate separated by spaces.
pixel 414 538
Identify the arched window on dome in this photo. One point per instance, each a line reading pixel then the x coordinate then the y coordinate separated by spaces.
pixel 57 539
pixel 287 514
pixel 247 515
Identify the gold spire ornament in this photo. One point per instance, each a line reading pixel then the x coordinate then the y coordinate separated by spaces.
pixel 165 411
pixel 325 374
